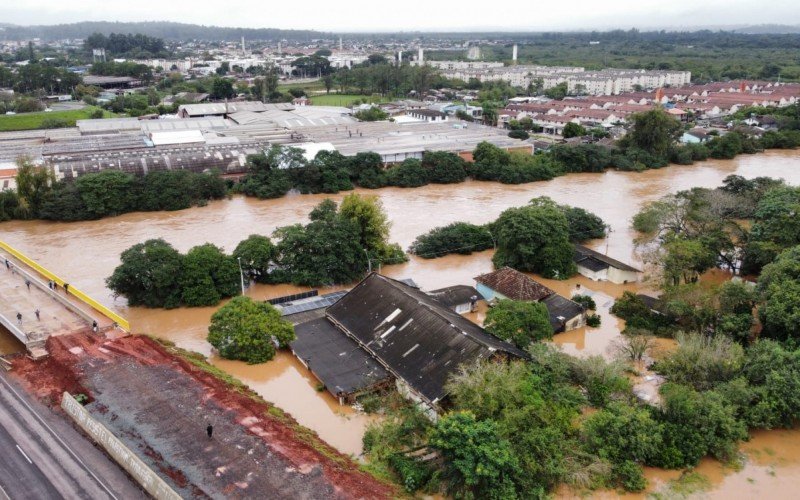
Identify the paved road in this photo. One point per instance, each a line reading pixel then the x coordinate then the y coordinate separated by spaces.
pixel 42 457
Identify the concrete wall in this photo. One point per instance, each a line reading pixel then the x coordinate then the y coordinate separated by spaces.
pixel 149 480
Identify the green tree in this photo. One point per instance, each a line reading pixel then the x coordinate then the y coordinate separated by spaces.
pixel 779 286
pixel 110 192
pixel 149 275
pixel 476 459
pixel 519 322
pixel 573 129
pixel 408 174
pixel 326 251
pixel 221 88
pixel 653 131
pixel 33 185
pixel 208 276
pixel 257 256
pixel 535 239
pixel 246 330
pixel 623 432
pixel 373 225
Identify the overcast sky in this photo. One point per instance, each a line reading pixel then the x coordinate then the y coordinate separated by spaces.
pixel 411 15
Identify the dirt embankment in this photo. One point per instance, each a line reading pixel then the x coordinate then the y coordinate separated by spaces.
pixel 160 402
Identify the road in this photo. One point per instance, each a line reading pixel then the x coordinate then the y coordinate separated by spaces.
pixel 43 457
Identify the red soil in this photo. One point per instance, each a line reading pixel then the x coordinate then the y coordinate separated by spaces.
pixel 64 371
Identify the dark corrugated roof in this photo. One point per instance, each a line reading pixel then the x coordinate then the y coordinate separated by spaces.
pixel 581 250
pixel 563 307
pixel 336 359
pixel 514 285
pixel 589 262
pixel 418 339
pixel 453 296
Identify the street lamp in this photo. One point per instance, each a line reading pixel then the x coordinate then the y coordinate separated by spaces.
pixel 241 274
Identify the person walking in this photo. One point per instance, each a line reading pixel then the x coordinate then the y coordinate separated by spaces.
pixel 66 288
pixel 28 284
pixel 19 319
pixel 210 430
pixel 94 326
pixel 8 266
pixel 36 312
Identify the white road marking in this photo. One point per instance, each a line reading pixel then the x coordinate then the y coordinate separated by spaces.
pixel 3 494
pixel 24 455
pixel 58 438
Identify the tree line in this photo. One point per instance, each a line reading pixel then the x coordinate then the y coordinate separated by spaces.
pixel 132 45
pixel 338 245
pixel 104 194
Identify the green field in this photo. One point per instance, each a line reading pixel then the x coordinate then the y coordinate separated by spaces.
pixel 33 121
pixel 345 99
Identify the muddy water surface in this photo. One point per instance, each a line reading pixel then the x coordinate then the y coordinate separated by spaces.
pixel 85 253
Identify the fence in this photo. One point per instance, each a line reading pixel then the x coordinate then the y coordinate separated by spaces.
pixel 97 306
pixel 144 475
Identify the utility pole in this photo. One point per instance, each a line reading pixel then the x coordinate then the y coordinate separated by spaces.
pixel 241 274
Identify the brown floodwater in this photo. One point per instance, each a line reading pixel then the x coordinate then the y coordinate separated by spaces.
pixel 85 253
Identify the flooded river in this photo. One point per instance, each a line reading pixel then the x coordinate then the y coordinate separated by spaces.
pixel 85 253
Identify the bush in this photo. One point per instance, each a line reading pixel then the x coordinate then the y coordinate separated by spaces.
pixel 586 301
pixel 519 134
pixel 593 320
pixel 413 473
pixel 459 237
pixel 54 123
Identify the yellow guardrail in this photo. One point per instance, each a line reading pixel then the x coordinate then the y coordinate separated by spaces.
pixel 97 306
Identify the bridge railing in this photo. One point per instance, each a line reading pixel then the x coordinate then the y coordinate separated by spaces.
pixel 86 299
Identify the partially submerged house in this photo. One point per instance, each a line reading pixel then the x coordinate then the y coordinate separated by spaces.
pixel 410 334
pixel 508 283
pixel 596 266
pixel 460 298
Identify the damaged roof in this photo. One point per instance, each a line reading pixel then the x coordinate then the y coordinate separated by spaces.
pixel 414 336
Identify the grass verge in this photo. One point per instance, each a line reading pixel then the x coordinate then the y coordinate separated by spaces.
pixel 34 121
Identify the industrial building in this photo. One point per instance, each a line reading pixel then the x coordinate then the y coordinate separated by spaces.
pixel 220 136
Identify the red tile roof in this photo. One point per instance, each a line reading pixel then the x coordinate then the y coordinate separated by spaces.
pixel 514 285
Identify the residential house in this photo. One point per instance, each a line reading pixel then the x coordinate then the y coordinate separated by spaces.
pixel 460 298
pixel 508 283
pixel 599 267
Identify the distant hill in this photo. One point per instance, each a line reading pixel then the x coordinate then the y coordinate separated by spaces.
pixel 160 29
pixel 768 29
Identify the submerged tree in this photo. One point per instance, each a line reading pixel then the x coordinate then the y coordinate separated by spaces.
pixel 246 330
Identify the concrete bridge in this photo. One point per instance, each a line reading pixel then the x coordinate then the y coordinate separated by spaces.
pixel 24 290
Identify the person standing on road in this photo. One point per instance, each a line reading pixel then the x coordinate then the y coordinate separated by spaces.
pixel 66 288
pixel 19 319
pixel 94 326
pixel 210 430
pixel 8 266
pixel 36 312
pixel 28 284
